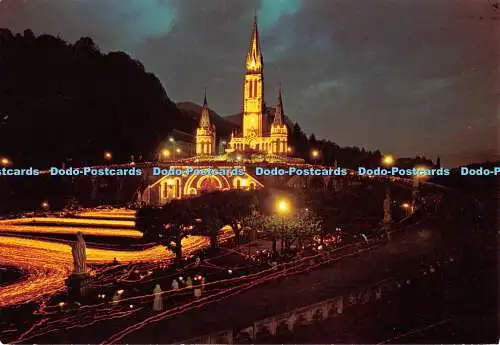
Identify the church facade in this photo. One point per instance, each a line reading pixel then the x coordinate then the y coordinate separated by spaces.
pixel 256 133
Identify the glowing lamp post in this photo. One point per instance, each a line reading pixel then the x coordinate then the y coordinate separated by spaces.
pixel 283 208
pixel 4 161
pixel 407 207
pixel 315 155
pixel 108 155
pixel 388 162
pixel 45 205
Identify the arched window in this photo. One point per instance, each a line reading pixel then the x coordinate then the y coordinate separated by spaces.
pixel 251 89
pixel 255 88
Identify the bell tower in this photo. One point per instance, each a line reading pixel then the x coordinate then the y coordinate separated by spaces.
pixel 253 91
pixel 205 134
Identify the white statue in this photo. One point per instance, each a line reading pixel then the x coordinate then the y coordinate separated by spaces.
pixel 79 251
pixel 158 302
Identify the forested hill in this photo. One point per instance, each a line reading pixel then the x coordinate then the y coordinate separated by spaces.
pixel 60 101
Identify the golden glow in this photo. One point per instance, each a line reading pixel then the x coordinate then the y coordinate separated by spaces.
pixel 112 213
pixel 178 150
pixel 165 153
pixel 421 172
pixel 315 153
pixel 4 161
pixel 69 221
pixel 45 204
pixel 108 155
pixel 238 158
pixel 289 149
pixel 405 205
pixel 47 264
pixel 388 160
pixel 65 230
pixel 282 206
pixel 171 139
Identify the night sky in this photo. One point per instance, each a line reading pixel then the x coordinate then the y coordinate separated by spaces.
pixel 404 76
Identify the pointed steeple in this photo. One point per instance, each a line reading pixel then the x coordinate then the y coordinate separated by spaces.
pixel 255 61
pixel 205 113
pixel 278 114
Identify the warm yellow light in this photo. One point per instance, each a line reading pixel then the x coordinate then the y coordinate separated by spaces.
pixel 108 155
pixel 171 139
pixel 165 153
pixel 178 150
pixel 45 204
pixel 283 206
pixel 421 171
pixel 315 153
pixel 289 149
pixel 388 160
pixel 238 158
pixel 243 182
pixel 4 161
pixel 405 205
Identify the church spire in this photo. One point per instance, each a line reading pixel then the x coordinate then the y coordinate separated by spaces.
pixel 255 61
pixel 278 114
pixel 205 113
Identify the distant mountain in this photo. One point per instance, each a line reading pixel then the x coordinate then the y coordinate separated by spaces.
pixel 223 126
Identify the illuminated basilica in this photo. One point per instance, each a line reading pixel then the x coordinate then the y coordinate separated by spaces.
pixel 257 134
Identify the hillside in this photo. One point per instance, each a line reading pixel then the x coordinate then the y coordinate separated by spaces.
pixel 61 101
pixel 193 111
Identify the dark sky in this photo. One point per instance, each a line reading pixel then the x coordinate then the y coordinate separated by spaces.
pixel 405 76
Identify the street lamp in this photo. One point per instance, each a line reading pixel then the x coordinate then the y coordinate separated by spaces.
pixel 108 155
pixel 283 207
pixel 45 205
pixel 407 207
pixel 315 154
pixel 4 161
pixel 387 161
pixel 178 150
